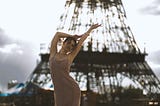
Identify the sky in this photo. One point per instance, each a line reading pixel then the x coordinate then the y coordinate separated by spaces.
pixel 25 24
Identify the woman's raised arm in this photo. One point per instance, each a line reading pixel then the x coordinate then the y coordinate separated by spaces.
pixel 82 39
pixel 57 36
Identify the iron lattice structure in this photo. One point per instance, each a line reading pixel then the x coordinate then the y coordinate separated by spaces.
pixel 109 58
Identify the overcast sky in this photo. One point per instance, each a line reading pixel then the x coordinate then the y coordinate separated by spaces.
pixel 24 24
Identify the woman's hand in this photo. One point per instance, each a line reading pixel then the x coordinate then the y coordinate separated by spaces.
pixel 94 26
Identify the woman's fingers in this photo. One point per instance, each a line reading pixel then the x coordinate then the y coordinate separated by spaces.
pixel 95 26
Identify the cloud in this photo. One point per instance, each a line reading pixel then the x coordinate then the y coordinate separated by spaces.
pixel 4 39
pixel 9 48
pixel 17 59
pixel 152 8
pixel 154 57
pixel 154 62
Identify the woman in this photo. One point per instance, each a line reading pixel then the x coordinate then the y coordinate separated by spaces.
pixel 66 90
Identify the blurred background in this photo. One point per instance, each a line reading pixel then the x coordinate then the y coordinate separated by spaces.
pixel 27 24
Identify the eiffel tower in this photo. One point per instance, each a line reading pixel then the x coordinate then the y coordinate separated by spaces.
pixel 109 58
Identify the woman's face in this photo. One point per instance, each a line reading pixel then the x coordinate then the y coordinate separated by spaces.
pixel 69 45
